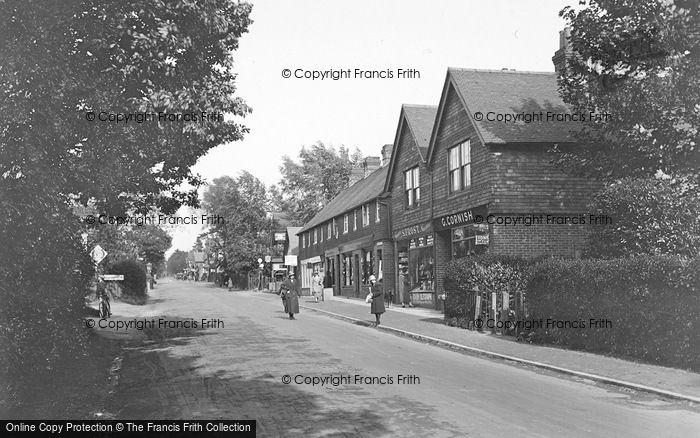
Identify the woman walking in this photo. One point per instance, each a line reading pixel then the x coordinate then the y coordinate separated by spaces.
pixel 316 286
pixel 377 306
pixel 290 291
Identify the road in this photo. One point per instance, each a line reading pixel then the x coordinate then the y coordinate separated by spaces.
pixel 368 383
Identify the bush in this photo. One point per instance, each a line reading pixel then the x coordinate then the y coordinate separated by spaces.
pixel 649 216
pixel 485 273
pixel 134 284
pixel 652 303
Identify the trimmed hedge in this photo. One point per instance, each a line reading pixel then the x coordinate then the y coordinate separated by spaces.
pixel 652 303
pixel 134 285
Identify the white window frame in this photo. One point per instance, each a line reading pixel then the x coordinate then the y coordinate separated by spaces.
pixel 365 215
pixel 462 169
pixel 377 210
pixel 411 180
pixel 354 220
pixel 346 223
pixel 329 231
pixel 315 236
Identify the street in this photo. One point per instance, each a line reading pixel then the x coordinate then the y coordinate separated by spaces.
pixel 346 379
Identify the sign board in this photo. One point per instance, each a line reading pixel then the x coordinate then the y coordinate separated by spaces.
pixel 290 260
pixel 98 254
pixel 422 228
pixel 280 237
pixel 112 277
pixel 465 216
pixel 277 266
pixel 268 259
pixel 482 239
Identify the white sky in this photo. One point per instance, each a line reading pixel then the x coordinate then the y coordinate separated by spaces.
pixel 369 35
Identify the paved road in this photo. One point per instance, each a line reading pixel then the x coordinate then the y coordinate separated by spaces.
pixel 234 369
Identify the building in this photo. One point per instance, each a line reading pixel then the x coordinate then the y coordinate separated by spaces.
pixel 453 195
pixel 349 239
pixel 408 181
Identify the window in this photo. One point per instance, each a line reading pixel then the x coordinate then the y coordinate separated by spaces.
pixel 367 266
pixel 365 215
pixel 460 166
pixel 377 210
pixel 329 231
pixel 303 240
pixel 354 220
pixel 347 270
pixel 345 224
pixel 412 186
pixel 315 236
pixel 320 234
pixel 464 240
pixel 335 229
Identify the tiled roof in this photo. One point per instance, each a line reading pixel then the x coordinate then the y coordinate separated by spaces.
pixel 421 119
pixel 357 194
pixel 511 92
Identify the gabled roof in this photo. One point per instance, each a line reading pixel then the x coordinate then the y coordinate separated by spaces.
pixel 508 92
pixel 420 120
pixel 357 194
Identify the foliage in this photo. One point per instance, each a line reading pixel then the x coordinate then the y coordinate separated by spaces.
pixel 134 283
pixel 652 303
pixel 483 273
pixel 64 60
pixel 306 187
pixel 177 262
pixel 244 234
pixel 636 61
pixel 650 216
pixel 121 242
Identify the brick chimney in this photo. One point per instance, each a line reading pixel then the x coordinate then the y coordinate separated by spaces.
pixel 386 154
pixel 356 174
pixel 564 52
pixel 370 164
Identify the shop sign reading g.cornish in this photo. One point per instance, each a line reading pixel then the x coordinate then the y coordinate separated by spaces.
pixel 463 217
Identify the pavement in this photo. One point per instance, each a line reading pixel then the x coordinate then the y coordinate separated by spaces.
pixel 427 325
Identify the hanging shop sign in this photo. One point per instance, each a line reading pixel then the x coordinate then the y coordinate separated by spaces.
pixel 462 217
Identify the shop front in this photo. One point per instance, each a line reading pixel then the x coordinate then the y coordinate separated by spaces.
pixel 415 249
pixel 465 231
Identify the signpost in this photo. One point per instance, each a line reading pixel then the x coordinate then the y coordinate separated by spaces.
pixel 112 277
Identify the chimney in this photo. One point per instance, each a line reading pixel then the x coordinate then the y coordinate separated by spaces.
pixel 564 52
pixel 356 174
pixel 370 164
pixel 386 154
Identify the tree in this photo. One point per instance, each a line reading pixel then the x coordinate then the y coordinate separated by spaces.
pixel 322 173
pixel 177 262
pixel 638 62
pixel 635 64
pixel 64 62
pixel 244 233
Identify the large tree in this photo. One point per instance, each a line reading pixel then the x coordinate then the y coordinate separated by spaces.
pixel 243 233
pixel 319 175
pixel 61 63
pixel 637 61
pixel 636 64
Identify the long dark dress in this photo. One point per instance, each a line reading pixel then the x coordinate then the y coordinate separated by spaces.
pixel 377 300
pixel 290 290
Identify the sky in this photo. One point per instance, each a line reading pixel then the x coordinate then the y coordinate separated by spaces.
pixel 369 35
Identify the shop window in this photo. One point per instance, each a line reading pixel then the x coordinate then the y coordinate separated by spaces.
pixel 464 240
pixel 345 224
pixel 460 165
pixel 347 270
pixel 365 215
pixel 421 265
pixel 412 187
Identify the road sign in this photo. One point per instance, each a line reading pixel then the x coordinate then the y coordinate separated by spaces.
pixel 268 259
pixel 259 260
pixel 112 277
pixel 98 254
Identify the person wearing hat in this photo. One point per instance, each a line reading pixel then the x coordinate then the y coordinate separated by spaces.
pixel 377 306
pixel 290 291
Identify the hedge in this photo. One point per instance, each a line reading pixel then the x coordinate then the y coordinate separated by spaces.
pixel 134 284
pixel 652 305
